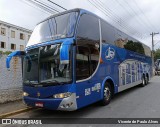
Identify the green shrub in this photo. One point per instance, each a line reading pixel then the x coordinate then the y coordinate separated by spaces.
pixel 5 53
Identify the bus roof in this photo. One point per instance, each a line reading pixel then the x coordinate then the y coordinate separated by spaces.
pixel 61 13
pixel 72 10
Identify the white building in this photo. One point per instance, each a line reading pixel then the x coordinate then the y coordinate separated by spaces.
pixel 13 37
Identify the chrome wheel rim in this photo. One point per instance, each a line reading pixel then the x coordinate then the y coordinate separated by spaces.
pixel 107 93
pixel 147 80
pixel 143 81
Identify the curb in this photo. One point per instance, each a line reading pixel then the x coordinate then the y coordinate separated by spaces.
pixel 16 112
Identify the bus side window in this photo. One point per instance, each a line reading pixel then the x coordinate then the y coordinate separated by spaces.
pixel 108 33
pixel 94 56
pixel 88 46
pixel 82 63
pixel 88 30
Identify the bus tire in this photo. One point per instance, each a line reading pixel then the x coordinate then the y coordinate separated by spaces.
pixel 107 94
pixel 143 81
pixel 147 79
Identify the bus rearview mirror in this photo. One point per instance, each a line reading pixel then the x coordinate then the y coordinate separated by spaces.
pixel 13 54
pixel 64 53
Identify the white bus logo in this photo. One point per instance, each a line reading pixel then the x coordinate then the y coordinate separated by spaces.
pixel 110 53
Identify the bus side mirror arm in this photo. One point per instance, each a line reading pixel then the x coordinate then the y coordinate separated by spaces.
pixel 13 54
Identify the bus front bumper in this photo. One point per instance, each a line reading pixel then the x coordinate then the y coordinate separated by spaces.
pixel 65 104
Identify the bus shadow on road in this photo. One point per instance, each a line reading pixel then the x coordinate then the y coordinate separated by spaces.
pixel 125 92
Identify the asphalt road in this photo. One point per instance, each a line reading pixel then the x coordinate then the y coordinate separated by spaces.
pixel 137 102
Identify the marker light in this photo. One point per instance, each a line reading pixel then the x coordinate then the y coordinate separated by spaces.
pixel 62 95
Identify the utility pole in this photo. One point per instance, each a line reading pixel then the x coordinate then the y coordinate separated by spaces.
pixel 152 34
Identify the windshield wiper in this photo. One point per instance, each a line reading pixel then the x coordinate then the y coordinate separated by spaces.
pixel 52 81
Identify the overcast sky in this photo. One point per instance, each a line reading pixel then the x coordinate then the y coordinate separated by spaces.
pixel 136 17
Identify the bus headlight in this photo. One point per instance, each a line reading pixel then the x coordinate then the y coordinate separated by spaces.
pixel 25 94
pixel 62 95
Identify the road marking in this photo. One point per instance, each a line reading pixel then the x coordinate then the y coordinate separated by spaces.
pixel 16 112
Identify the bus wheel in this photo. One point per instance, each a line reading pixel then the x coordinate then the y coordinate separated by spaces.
pixel 143 81
pixel 107 94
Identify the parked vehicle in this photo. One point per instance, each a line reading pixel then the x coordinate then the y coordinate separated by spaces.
pixel 75 58
pixel 157 67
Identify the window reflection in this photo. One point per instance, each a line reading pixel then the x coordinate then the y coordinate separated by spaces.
pixel 88 46
pixel 122 40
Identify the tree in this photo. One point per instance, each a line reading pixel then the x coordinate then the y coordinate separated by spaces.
pixel 134 46
pixel 156 54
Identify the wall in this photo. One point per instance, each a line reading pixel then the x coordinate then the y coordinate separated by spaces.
pixel 10 81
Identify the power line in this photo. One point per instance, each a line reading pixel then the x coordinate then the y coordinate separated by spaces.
pixel 31 5
pixel 43 6
pixel 102 10
pixel 57 4
pixel 115 15
pixel 49 5
pixel 140 19
pixel 131 13
pixel 40 6
pixel 144 15
pixel 46 6
pixel 109 15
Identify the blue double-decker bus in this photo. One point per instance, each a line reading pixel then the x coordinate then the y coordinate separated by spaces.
pixel 75 58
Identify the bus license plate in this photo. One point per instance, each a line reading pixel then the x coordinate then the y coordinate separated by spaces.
pixel 39 104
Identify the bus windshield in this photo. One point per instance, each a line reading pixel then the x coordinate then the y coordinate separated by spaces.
pixel 57 27
pixel 42 66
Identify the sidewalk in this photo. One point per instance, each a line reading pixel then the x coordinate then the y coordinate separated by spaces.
pixel 11 107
